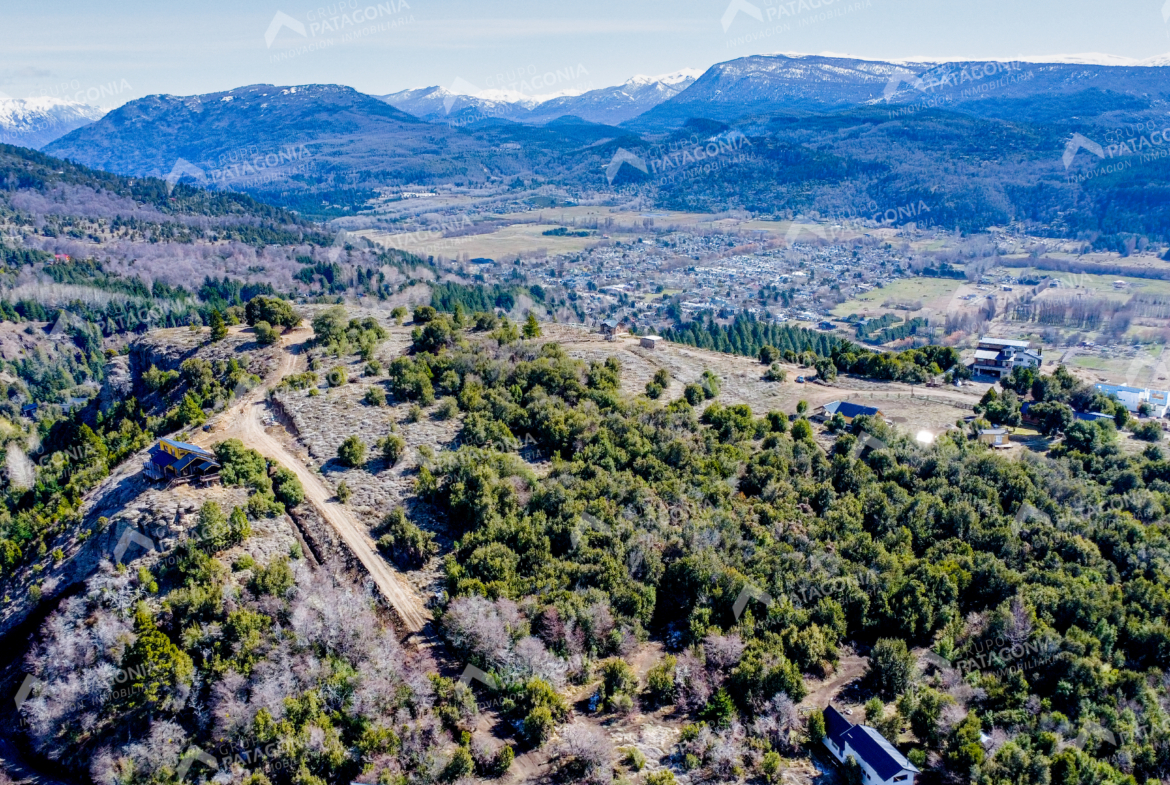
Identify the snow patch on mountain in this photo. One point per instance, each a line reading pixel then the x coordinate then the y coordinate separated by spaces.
pixel 1086 58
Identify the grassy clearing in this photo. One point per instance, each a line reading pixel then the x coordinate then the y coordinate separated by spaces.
pixel 933 293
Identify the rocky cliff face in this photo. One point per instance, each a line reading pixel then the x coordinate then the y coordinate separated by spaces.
pixel 119 383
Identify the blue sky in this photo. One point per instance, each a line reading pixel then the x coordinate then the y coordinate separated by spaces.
pixel 107 53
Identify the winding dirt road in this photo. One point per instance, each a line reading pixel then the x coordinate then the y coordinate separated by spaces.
pixel 243 421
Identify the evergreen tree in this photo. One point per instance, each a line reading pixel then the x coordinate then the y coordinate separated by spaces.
pixel 219 329
pixel 531 326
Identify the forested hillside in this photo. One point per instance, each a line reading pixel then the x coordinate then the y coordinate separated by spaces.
pixel 1022 599
pixel 656 518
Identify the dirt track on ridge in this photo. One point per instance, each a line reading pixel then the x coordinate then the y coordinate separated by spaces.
pixel 243 421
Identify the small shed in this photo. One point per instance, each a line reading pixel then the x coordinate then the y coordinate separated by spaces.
pixel 996 437
pixel 651 341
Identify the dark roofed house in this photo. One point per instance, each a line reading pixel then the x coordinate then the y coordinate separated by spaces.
pixel 880 760
pixel 611 329
pixel 849 411
pixel 172 459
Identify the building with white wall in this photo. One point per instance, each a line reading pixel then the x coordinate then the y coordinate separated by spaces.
pixel 880 761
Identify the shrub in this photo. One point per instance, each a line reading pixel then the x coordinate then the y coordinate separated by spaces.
pixel 243 466
pixel 375 396
pixel 373 368
pixel 633 757
pixel 504 759
pixel 287 488
pixel 329 326
pixel 777 422
pixel 450 382
pixel 424 314
pixel 404 542
pixel 769 354
pixel 435 336
pixel 664 777
pixel 266 334
pixel 264 505
pixel 694 394
pixel 460 765
pixel 414 413
pixel 411 381
pixel 343 492
pixel 617 679
pixel 720 710
pixel 392 447
pixel 802 431
pixel 336 377
pixel 710 384
pixel 1150 431
pixel 275 579
pixel 506 333
pixel 538 726
pixel 660 681
pixel 213 526
pixel 448 408
pixel 770 765
pixel 156 380
pixel 299 381
pixel 352 452
pixel 776 374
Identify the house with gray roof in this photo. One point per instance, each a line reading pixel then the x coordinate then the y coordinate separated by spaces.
pixel 880 761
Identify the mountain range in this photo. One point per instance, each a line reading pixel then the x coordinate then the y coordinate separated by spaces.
pixel 34 122
pixel 984 142
pixel 608 106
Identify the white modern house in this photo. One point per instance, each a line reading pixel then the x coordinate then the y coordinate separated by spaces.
pixel 880 761
pixel 998 357
pixel 1133 397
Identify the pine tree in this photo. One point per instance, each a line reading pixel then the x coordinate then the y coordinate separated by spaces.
pixel 218 326
pixel 531 326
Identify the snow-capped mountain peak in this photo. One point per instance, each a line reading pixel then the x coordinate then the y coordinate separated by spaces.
pixel 34 122
pixel 609 105
pixel 678 77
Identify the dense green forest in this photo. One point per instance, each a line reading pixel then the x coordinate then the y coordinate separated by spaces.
pixel 746 335
pixel 478 298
